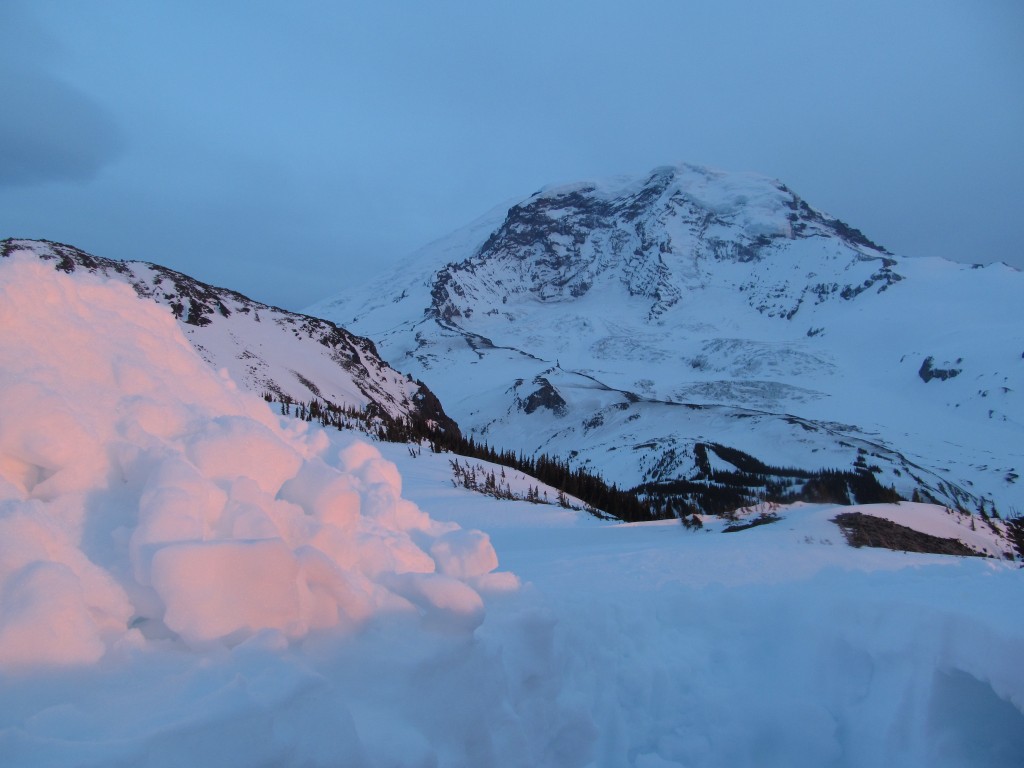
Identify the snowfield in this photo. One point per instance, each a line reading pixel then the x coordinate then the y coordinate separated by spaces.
pixel 187 578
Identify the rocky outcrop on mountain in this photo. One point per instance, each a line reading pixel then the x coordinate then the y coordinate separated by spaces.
pixel 659 239
pixel 928 371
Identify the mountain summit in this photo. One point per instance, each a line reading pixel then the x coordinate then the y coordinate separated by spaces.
pixel 665 328
pixel 651 239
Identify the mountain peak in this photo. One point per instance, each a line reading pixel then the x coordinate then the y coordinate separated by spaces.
pixel 659 236
pixel 688 305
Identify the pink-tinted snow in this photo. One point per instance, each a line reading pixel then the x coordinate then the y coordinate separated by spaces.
pixel 144 496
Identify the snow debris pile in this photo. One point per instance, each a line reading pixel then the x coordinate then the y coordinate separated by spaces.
pixel 144 498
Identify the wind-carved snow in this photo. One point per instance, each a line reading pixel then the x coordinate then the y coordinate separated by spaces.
pixel 144 496
pixel 697 287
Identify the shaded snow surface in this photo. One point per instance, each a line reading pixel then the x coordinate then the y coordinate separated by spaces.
pixel 689 305
pixel 187 579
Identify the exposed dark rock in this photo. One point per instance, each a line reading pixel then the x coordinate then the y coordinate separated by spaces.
pixel 852 235
pixel 928 371
pixel 884 278
pixel 763 519
pixel 863 530
pixel 545 397
pixel 429 409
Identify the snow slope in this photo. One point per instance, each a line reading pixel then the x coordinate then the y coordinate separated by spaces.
pixel 266 350
pixel 187 578
pixel 642 315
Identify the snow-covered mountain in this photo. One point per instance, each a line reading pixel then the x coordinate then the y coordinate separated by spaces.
pixel 264 349
pixel 636 324
pixel 188 577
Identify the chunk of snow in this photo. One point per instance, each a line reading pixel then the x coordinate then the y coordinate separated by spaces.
pixel 216 589
pixel 464 554
pixel 233 446
pixel 44 618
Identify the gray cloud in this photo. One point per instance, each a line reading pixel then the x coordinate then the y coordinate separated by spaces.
pixel 333 138
pixel 51 131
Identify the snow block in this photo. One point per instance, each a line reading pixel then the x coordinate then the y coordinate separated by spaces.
pixel 445 603
pixel 464 554
pixel 44 619
pixel 213 590
pixel 235 446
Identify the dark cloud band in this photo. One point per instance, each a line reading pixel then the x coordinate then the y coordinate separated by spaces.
pixel 51 131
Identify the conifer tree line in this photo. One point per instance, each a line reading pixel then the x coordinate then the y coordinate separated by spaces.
pixel 709 491
pixel 751 481
pixel 588 488
pixel 477 477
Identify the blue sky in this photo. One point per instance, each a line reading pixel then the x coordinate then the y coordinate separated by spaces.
pixel 289 149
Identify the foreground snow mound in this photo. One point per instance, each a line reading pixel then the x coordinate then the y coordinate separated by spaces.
pixel 143 497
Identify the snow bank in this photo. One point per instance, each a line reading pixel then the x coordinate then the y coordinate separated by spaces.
pixel 142 496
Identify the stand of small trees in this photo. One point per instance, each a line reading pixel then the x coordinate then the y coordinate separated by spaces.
pixel 751 481
pixel 1015 532
pixel 588 488
pixel 476 477
pixel 711 491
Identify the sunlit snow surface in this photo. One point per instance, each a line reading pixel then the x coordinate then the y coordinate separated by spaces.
pixel 187 579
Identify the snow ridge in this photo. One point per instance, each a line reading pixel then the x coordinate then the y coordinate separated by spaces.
pixel 265 349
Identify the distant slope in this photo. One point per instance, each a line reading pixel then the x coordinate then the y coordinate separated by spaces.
pixel 264 349
pixel 622 323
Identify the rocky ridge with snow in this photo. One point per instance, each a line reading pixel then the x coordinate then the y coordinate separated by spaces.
pixel 628 324
pixel 266 350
